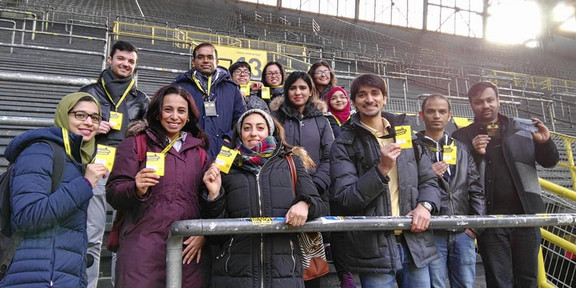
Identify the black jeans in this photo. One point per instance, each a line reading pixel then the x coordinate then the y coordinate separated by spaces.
pixel 510 256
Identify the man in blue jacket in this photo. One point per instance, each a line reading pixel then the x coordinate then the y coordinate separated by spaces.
pixel 462 194
pixel 506 153
pixel 372 176
pixel 218 98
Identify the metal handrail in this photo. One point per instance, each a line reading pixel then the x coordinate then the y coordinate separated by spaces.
pixel 186 228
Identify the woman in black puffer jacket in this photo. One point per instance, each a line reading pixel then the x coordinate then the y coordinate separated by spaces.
pixel 259 184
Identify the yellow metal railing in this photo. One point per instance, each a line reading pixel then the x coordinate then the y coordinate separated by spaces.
pixel 568 142
pixel 185 38
pixel 530 81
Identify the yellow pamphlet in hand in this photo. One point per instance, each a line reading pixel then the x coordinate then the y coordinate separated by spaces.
pixel 105 156
pixel 404 136
pixel 156 162
pixel 265 92
pixel 245 90
pixel 449 154
pixel 115 120
pixel 225 158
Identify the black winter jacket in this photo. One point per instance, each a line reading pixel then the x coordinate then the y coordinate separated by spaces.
pixel 359 190
pixel 464 194
pixel 521 153
pixel 311 131
pixel 261 260
pixel 133 108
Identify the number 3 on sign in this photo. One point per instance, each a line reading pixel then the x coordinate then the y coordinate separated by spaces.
pixel 254 57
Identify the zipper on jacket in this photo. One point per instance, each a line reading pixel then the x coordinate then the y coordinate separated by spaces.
pixel 229 254
pixel 261 235
pixel 293 258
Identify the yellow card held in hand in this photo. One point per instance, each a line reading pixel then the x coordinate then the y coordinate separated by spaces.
pixel 156 162
pixel 225 159
pixel 404 136
pixel 265 92
pixel 245 90
pixel 105 156
pixel 115 120
pixel 449 154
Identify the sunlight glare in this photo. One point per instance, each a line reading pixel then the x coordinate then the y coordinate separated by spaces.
pixel 513 22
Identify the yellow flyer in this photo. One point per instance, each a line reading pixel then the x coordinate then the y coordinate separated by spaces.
pixel 260 221
pixel 245 90
pixel 265 92
pixel 225 158
pixel 404 136
pixel 449 154
pixel 156 162
pixel 105 156
pixel 115 120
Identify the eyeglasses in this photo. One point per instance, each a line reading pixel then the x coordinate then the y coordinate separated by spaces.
pixel 81 116
pixel 275 73
pixel 242 72
pixel 320 72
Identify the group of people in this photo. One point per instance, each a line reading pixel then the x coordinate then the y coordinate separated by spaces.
pixel 302 154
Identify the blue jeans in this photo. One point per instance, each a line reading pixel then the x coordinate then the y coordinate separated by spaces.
pixel 409 276
pixel 457 260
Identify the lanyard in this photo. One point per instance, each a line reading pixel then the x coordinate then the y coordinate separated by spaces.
pixel 116 105
pixel 207 93
pixel 170 145
pixel 66 139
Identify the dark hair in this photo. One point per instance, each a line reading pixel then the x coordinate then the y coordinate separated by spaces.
pixel 239 64
pixel 155 110
pixel 333 80
pixel 123 46
pixel 264 82
pixel 480 87
pixel 204 44
pixel 292 77
pixel 435 96
pixel 370 80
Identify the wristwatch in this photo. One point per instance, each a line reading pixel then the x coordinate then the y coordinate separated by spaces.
pixel 427 205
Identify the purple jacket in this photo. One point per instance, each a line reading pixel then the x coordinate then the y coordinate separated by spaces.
pixel 142 252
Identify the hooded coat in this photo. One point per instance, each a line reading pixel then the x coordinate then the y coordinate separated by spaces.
pixel 142 250
pixel 229 106
pixel 52 224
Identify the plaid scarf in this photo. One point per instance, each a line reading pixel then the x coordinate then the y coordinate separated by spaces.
pixel 253 158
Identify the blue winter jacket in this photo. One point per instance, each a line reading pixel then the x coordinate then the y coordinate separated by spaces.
pixel 229 106
pixel 52 224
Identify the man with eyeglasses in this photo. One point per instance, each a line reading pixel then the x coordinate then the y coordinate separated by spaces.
pixel 241 72
pixel 121 102
pixel 218 98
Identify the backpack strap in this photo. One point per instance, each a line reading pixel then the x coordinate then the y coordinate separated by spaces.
pixel 141 147
pixel 58 164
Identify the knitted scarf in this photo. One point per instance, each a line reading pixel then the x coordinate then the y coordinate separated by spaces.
pixel 253 158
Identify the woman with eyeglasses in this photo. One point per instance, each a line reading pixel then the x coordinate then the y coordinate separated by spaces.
pixel 151 201
pixel 273 76
pixel 324 78
pixel 240 73
pixel 49 202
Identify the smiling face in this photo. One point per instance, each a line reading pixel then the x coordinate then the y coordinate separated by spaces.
pixel 241 76
pixel 123 63
pixel 338 101
pixel 254 129
pixel 322 76
pixel 174 114
pixel 299 93
pixel 273 75
pixel 485 106
pixel 369 102
pixel 436 114
pixel 205 60
pixel 87 127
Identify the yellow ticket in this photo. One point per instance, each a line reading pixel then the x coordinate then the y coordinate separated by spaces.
pixel 449 154
pixel 225 158
pixel 261 221
pixel 105 156
pixel 404 136
pixel 115 120
pixel 265 92
pixel 245 90
pixel 156 162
